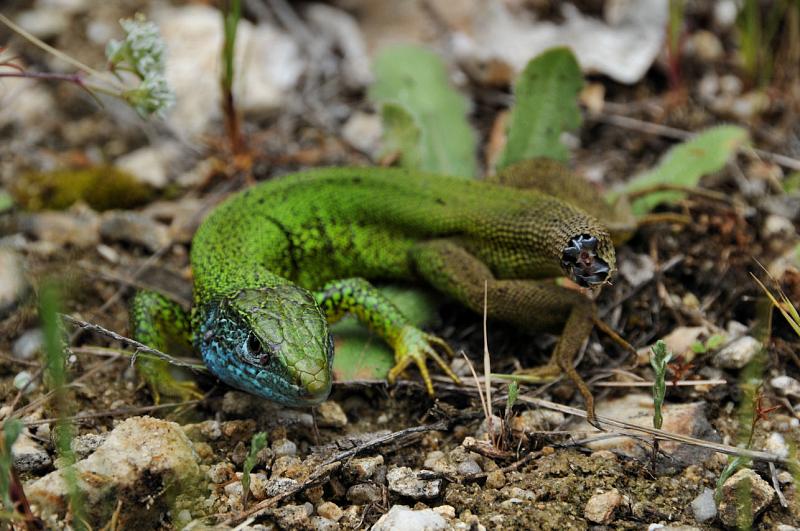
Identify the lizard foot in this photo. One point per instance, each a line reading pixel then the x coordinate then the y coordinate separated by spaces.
pixel 414 345
pixel 161 381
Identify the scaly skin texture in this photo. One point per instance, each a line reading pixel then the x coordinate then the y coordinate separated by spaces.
pixel 269 262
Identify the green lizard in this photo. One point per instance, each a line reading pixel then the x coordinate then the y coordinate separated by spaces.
pixel 275 264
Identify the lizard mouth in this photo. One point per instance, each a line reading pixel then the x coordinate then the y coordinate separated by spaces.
pixel 579 259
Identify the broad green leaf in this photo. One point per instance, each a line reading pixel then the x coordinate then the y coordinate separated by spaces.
pixel 546 105
pixel 424 117
pixel 361 354
pixel 685 164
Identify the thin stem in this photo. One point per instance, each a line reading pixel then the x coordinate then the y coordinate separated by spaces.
pixel 46 47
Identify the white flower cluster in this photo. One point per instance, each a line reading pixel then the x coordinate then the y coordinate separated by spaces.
pixel 142 53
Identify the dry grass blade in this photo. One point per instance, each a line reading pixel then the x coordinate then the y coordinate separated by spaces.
pixel 785 306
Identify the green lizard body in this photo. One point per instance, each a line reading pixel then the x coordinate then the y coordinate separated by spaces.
pixel 273 265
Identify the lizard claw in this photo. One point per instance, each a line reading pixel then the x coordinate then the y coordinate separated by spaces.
pixel 414 345
pixel 157 376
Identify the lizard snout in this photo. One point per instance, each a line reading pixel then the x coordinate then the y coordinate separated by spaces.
pixel 581 262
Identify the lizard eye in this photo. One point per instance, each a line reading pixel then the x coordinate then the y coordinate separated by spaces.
pixel 256 351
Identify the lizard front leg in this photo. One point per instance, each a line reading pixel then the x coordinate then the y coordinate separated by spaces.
pixel 371 307
pixel 533 305
pixel 162 324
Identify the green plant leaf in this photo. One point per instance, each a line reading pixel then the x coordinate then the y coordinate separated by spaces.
pixel 425 119
pixel 685 164
pixel 6 201
pixel 546 105
pixel 362 355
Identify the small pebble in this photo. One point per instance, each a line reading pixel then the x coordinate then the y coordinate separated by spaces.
pixel 703 506
pixel 282 447
pixel 363 493
pixel 330 510
pixel 404 481
pixel 318 523
pixel 221 472
pixel 601 507
pixel 28 345
pixel 738 353
pixel 403 518
pixel 293 516
pixel 495 480
pixel 786 386
pixel 29 456
pixel 23 381
pixel 363 468
pixel 331 415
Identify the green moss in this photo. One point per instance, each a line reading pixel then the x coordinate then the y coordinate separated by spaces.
pixel 101 187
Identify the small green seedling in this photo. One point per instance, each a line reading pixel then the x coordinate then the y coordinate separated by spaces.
pixel 258 443
pixel 658 360
pixel 11 430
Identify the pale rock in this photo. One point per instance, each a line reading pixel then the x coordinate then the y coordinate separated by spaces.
pixel 293 516
pixel 495 479
pixel 364 131
pixel 725 13
pixel 703 506
pixel 142 458
pixel 221 472
pixel 735 329
pixel 29 105
pixel 133 227
pixel 13 287
pixel 29 456
pixel 44 22
pixel 330 510
pixel 342 30
pixel 705 46
pixel 363 468
pixel 406 482
pixel 448 511
pixel 403 518
pixel 331 415
pixel 364 493
pixel 761 496
pixel 601 507
pixel 623 48
pixel 682 419
pixel 258 485
pixel 318 523
pixel 151 164
pixel 776 444
pixel 776 226
pixel 737 354
pixel 77 229
pixel 786 386
pixel 267 59
pixel 750 105
pixel 679 342
pixel 29 344
pixel 536 420
pixel 23 381
pixel 283 447
pixel 278 485
pixel 86 444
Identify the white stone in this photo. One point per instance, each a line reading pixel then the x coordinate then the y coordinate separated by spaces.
pixel 267 65
pixel 404 481
pixel 363 131
pixel 786 385
pixel 343 31
pixel 737 354
pixel 403 518
pixel 28 455
pixel 776 444
pixel 44 22
pixel 703 506
pixel 760 493
pixel 13 284
pixel 139 459
pixel 28 345
pixel 150 165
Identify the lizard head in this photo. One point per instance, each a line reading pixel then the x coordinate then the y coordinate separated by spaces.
pixel 588 261
pixel 272 342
